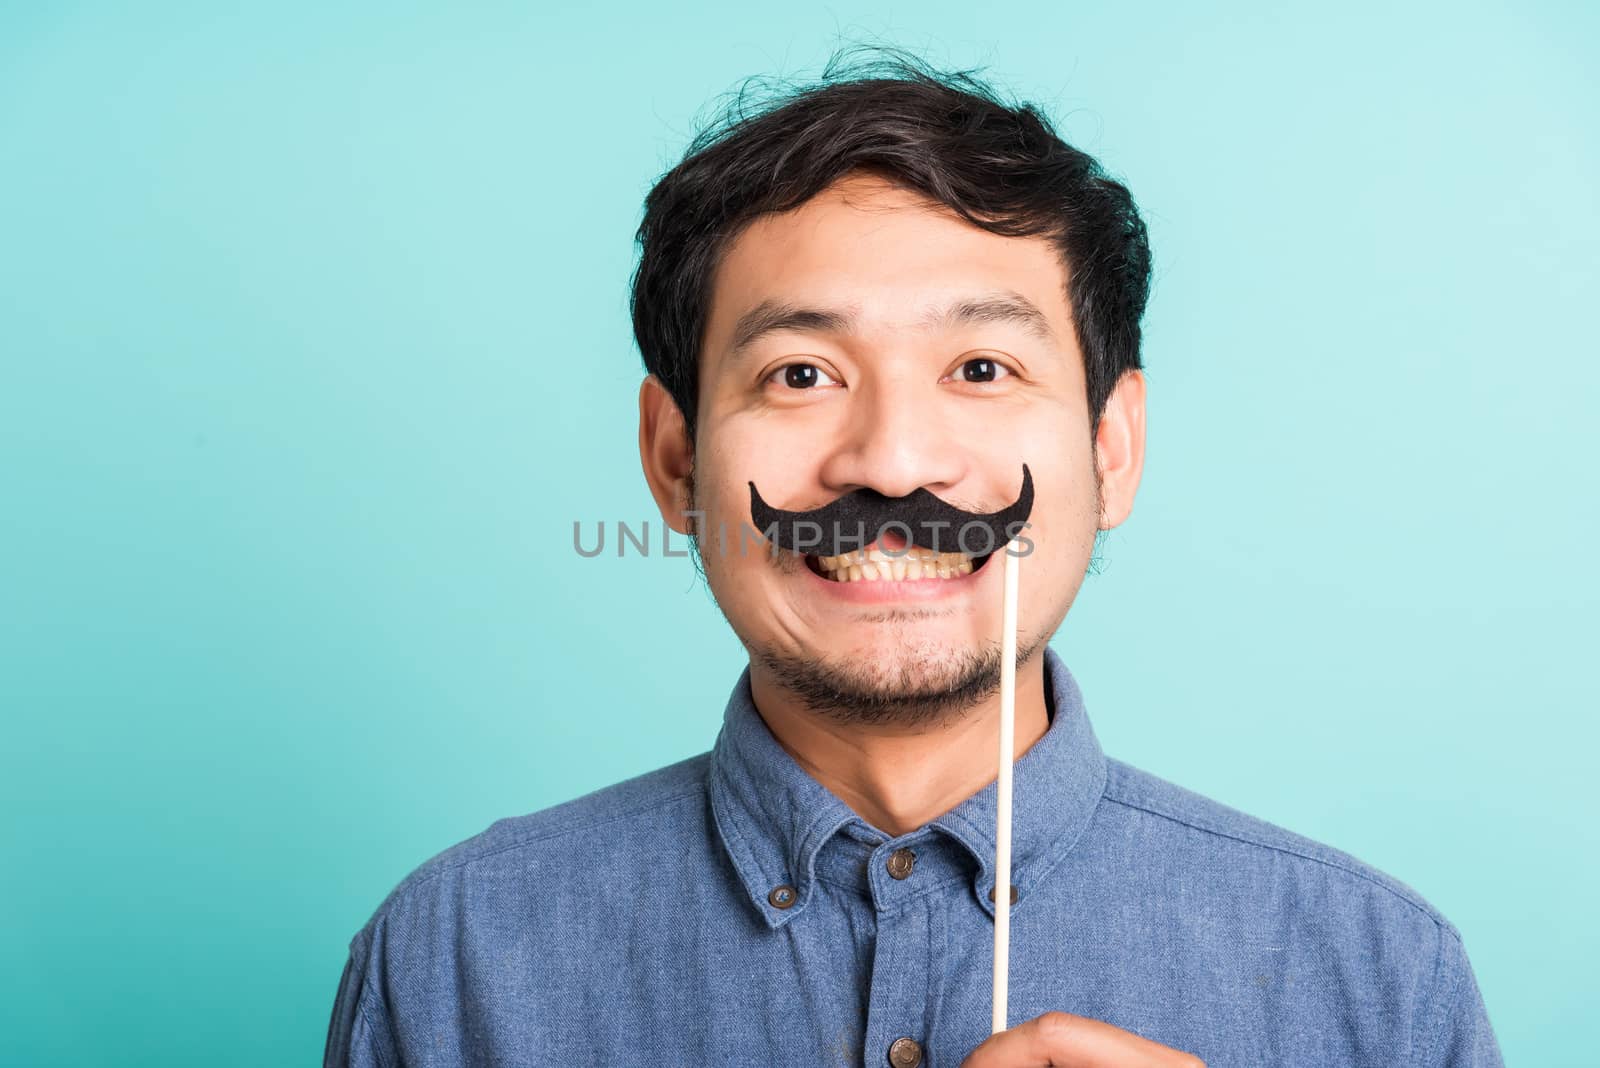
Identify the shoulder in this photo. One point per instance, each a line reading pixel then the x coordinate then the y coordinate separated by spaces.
pixel 1239 839
pixel 640 813
pixel 1335 915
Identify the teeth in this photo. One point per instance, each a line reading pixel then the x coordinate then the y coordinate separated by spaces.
pixel 875 565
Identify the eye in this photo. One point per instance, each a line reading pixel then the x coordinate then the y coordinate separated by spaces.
pixel 801 376
pixel 982 369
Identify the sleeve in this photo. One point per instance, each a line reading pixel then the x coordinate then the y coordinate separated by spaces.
pixel 358 1030
pixel 1463 1037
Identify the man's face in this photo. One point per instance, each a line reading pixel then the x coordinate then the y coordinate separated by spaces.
pixel 892 396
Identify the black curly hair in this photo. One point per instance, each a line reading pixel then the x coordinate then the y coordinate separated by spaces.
pixel 943 134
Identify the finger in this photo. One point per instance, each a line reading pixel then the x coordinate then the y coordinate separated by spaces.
pixel 1061 1040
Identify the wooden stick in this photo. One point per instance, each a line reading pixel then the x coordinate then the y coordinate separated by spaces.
pixel 1002 830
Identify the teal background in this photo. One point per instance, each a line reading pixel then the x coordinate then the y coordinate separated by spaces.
pixel 314 344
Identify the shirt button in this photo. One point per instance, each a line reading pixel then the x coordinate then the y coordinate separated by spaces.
pixel 905 1053
pixel 899 864
pixel 782 896
pixel 1013 893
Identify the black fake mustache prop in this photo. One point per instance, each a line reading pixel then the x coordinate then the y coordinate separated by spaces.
pixel 861 517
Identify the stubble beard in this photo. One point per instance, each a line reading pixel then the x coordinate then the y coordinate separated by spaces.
pixel 922 685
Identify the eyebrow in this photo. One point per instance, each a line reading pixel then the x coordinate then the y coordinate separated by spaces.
pixel 771 316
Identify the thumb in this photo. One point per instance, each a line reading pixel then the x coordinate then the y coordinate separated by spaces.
pixel 1062 1040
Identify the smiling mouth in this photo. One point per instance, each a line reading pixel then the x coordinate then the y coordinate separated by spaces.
pixel 910 565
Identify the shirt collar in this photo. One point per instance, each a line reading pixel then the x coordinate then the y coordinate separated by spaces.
pixel 774 818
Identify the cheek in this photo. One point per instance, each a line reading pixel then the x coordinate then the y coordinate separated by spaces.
pixel 729 542
pixel 720 492
pixel 777 465
pixel 728 511
pixel 1065 517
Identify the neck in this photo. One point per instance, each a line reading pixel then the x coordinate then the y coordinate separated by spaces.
pixel 899 777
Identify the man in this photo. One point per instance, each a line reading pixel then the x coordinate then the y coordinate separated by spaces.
pixel 889 283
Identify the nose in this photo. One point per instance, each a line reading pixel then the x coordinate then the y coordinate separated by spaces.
pixel 894 441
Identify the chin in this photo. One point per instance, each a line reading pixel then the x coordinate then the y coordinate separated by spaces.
pixel 905 684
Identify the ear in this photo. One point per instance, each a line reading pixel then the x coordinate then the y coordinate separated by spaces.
pixel 665 451
pixel 1119 448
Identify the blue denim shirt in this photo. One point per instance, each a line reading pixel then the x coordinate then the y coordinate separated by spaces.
pixel 729 910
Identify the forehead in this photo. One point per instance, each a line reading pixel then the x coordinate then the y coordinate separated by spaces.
pixel 885 252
